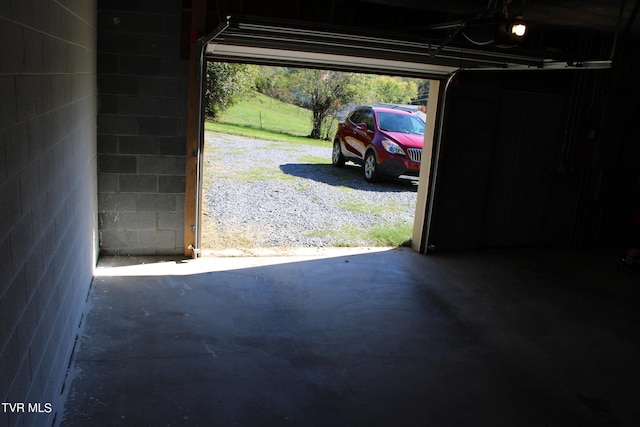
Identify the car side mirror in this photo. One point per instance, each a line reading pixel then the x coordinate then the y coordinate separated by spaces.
pixel 363 126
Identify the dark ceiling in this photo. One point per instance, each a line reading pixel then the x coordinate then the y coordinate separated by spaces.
pixel 567 31
pixel 602 15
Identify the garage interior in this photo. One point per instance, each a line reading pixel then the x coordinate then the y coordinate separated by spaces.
pixel 513 308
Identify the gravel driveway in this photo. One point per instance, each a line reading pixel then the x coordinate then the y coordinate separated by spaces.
pixel 263 194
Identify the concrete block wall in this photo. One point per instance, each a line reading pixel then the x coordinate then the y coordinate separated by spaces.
pixel 142 84
pixel 48 198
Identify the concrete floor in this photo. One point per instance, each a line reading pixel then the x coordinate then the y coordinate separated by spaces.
pixel 360 338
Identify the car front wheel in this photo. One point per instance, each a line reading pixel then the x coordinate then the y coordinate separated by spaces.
pixel 370 167
pixel 337 158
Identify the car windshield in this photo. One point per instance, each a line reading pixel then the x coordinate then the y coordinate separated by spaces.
pixel 403 123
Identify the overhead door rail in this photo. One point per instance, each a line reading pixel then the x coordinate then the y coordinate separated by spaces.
pixel 251 40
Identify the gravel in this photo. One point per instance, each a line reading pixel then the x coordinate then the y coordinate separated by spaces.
pixel 270 194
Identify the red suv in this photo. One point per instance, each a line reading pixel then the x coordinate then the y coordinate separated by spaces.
pixel 385 141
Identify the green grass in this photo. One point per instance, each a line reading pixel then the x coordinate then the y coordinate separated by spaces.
pixel 258 116
pixel 362 207
pixel 261 174
pixel 393 235
pixel 269 114
pixel 314 160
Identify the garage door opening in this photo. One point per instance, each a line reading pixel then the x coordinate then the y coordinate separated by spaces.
pixel 267 186
pixel 285 45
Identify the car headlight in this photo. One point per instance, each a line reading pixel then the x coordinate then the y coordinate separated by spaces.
pixel 392 147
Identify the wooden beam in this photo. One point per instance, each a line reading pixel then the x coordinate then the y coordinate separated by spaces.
pixel 191 209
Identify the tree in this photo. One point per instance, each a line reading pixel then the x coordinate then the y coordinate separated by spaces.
pixel 395 91
pixel 226 83
pixel 321 92
pixel 372 89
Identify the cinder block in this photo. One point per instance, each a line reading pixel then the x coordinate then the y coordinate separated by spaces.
pixel 44 171
pixel 8 106
pixel 61 84
pixel 16 148
pixel 80 85
pixel 157 45
pixel 117 163
pixel 165 87
pixel 180 238
pixel 109 202
pixel 156 108
pixel 119 239
pixel 180 201
pixel 26 96
pixel 52 124
pixel 55 195
pixel 42 357
pixel 157 239
pixel 172 146
pixel 138 183
pixel 28 324
pixel 34 267
pixel 29 187
pixel 170 220
pixel 127 221
pixel 55 20
pixel 11 46
pixel 107 183
pixel 138 145
pixel 182 125
pixel 171 24
pixel 160 165
pixel 3 156
pixel 140 66
pixel 6 266
pixel 117 84
pixel 117 125
pixel 33 51
pixel 85 9
pixel 9 354
pixel 174 67
pixel 156 202
pixel 116 20
pixel 14 301
pixel 119 5
pixel 38 137
pixel 181 168
pixel 171 184
pixel 108 144
pixel 155 6
pixel 41 13
pixel 59 159
pixel 41 216
pixel 118 43
pixel 161 126
pixel 21 240
pixel 107 104
pixel 107 63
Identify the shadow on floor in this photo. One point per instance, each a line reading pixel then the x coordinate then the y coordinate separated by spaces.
pixel 362 338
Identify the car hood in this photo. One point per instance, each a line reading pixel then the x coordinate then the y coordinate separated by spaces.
pixel 407 140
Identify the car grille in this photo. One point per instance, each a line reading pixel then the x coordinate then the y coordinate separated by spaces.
pixel 415 154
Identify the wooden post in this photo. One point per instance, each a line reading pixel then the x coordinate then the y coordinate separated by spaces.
pixel 191 210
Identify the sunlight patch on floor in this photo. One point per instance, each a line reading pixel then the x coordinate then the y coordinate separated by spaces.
pixel 221 261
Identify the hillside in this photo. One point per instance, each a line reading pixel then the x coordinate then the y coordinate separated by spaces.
pixel 263 117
